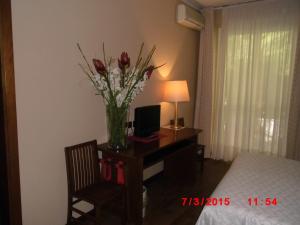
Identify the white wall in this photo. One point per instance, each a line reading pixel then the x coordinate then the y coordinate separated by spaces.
pixel 56 105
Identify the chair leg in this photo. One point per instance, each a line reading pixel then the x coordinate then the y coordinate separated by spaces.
pixel 98 212
pixel 69 216
pixel 124 211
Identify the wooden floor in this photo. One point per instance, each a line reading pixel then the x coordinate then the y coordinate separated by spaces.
pixel 164 198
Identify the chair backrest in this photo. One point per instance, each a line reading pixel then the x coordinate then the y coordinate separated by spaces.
pixel 82 165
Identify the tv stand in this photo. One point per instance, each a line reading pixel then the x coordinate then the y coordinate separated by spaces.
pixel 178 149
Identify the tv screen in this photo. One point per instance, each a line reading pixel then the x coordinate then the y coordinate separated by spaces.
pixel 146 120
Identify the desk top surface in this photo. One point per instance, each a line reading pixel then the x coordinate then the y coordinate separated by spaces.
pixel 137 149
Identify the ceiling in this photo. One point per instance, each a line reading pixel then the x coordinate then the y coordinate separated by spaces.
pixel 216 3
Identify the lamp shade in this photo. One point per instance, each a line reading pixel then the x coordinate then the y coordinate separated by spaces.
pixel 176 91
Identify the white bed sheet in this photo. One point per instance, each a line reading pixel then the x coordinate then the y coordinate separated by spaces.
pixel 257 175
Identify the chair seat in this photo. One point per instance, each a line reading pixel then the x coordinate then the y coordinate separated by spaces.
pixel 100 193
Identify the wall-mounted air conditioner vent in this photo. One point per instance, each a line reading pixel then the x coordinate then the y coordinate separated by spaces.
pixel 189 17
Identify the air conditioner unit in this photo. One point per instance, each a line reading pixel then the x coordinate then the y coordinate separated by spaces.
pixel 189 17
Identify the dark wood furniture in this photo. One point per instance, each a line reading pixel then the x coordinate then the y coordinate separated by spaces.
pixel 85 184
pixel 176 148
pixel 10 203
pixel 200 153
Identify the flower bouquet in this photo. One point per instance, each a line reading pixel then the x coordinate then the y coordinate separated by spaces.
pixel 118 85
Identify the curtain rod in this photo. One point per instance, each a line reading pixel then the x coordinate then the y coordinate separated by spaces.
pixel 237 4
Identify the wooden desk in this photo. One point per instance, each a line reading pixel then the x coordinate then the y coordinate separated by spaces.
pixel 176 148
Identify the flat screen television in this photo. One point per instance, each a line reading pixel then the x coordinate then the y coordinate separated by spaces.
pixel 146 120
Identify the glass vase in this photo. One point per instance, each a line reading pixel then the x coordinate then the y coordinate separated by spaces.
pixel 116 126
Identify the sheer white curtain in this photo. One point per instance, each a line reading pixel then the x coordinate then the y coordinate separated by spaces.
pixel 293 136
pixel 203 106
pixel 253 79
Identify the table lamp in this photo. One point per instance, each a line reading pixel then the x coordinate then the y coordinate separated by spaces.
pixel 176 91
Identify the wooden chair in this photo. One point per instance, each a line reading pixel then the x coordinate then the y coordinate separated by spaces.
pixel 85 183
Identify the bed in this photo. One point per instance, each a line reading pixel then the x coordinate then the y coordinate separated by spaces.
pixel 260 190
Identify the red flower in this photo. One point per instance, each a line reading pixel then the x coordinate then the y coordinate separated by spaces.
pixel 149 71
pixel 99 66
pixel 124 61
